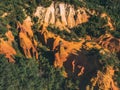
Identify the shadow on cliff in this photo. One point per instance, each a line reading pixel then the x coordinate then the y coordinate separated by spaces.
pixel 82 66
pixel 49 42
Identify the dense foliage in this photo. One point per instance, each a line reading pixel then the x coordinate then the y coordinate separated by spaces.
pixel 63 34
pixel 31 74
pixel 94 28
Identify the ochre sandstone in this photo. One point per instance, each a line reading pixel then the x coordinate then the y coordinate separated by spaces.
pixel 104 80
pixel 109 42
pixel 6 47
pixel 27 42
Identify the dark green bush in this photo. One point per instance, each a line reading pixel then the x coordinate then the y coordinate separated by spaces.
pixel 64 34
pixel 94 27
pixel 45 3
pixel 116 33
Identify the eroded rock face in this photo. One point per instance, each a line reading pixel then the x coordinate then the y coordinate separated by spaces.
pixel 50 15
pixel 109 23
pixel 104 81
pixel 62 49
pixel 26 27
pixel 71 56
pixel 61 15
pixel 110 42
pixel 82 16
pixel 6 47
pixel 61 54
pixel 27 42
pixel 71 19
pixel 10 37
pixel 68 54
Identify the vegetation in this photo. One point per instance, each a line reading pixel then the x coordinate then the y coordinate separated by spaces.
pixel 105 60
pixel 3 24
pixel 64 34
pixel 94 28
pixel 109 6
pixel 116 33
pixel 111 60
pixel 44 3
pixel 28 74
pixel 31 74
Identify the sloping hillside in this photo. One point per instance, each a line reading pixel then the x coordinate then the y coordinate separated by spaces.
pixel 59 45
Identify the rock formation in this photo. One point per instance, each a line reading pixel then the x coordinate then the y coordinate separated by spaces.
pixel 10 37
pixel 27 42
pixel 61 15
pixel 60 55
pixel 104 81
pixel 110 42
pixel 82 16
pixel 6 47
pixel 109 23
pixel 70 18
pixel 27 45
pixel 49 15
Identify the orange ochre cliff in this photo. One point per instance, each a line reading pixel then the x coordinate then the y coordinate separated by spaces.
pixel 6 46
pixel 104 80
pixel 27 42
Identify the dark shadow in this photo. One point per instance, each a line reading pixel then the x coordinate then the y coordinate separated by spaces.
pixel 82 59
pixel 118 55
pixel 16 45
pixel 50 56
pixel 50 42
pixel 40 37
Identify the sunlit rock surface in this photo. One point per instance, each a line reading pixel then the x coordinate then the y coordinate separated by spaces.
pixel 61 15
pixel 109 42
pixel 27 42
pixel 6 47
pixel 104 81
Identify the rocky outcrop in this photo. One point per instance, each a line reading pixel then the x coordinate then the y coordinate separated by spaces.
pixel 109 21
pixel 109 42
pixel 27 42
pixel 70 18
pixel 68 54
pixel 61 54
pixel 10 37
pixel 104 81
pixel 26 27
pixel 50 15
pixel 65 16
pixel 6 47
pixel 62 50
pixel 61 15
pixel 71 56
